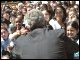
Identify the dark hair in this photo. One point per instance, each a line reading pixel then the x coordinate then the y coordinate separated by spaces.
pixel 74 24
pixel 51 11
pixel 48 8
pixel 65 3
pixel 64 12
pixel 6 6
pixel 44 7
pixel 5 53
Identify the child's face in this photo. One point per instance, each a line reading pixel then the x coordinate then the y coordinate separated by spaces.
pixel 6 15
pixel 72 15
pixel 4 34
pixel 46 15
pixel 71 32
pixel 18 23
pixel 59 13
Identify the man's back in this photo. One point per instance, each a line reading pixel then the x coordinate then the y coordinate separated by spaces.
pixel 40 44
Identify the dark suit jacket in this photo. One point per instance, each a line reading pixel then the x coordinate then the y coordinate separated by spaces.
pixel 41 44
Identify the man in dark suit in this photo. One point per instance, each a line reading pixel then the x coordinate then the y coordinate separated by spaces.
pixel 40 43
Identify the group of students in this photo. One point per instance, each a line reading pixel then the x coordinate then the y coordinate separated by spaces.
pixel 39 36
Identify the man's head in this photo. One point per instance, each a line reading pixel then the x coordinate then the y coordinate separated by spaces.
pixel 35 19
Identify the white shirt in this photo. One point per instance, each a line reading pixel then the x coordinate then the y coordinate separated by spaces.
pixel 78 42
pixel 54 24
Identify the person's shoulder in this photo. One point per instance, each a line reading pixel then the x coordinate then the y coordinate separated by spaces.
pixel 20 39
pixel 59 32
pixel 36 32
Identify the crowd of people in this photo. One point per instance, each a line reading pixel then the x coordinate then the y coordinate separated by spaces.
pixel 19 23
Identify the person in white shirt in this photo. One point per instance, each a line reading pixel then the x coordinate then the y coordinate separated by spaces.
pixel 60 15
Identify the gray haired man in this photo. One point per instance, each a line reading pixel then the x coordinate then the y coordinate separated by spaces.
pixel 40 43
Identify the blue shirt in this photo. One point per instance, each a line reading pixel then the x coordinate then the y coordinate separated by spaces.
pixel 4 44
